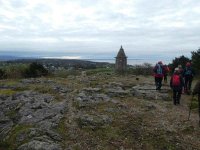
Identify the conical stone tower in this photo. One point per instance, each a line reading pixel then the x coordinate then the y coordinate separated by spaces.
pixel 121 61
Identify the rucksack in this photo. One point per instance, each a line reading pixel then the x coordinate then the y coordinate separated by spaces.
pixel 188 71
pixel 176 80
pixel 159 69
pixel 167 69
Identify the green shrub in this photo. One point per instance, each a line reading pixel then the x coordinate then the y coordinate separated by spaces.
pixel 14 71
pixel 18 70
pixel 196 61
pixel 2 74
pixel 182 60
pixel 144 69
pixel 35 70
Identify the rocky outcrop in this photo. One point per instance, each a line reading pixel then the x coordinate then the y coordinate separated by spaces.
pixel 40 145
pixel 34 120
pixel 147 91
pixel 90 96
pixel 31 116
pixel 94 121
pixel 117 92
pixel 115 89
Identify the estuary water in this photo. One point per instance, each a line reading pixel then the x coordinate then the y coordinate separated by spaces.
pixel 133 61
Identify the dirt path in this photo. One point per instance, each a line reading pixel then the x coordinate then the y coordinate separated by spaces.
pixel 157 118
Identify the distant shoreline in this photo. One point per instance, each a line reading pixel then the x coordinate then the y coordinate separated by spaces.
pixel 130 61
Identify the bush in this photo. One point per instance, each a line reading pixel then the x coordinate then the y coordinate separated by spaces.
pixel 35 70
pixel 2 74
pixel 196 61
pixel 144 69
pixel 182 60
pixel 14 71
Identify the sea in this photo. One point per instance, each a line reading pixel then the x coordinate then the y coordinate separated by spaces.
pixel 130 61
pixel 134 61
pixel 109 58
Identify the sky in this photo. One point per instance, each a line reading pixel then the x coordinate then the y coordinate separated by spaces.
pixel 97 28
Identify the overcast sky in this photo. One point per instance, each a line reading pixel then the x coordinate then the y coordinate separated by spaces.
pixel 143 27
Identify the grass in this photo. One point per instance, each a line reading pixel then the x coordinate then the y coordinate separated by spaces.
pixel 12 114
pixel 10 82
pixel 127 132
pixel 194 103
pixel 100 70
pixel 63 130
pixel 61 127
pixel 65 73
pixel 7 92
pixel 46 89
pixel 131 128
pixel 10 143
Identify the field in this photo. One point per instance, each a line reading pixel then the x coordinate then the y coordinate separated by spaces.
pixel 97 110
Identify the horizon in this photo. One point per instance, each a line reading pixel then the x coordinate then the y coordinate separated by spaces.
pixel 110 58
pixel 88 55
pixel 130 60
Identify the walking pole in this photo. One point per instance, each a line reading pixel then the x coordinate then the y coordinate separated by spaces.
pixel 190 107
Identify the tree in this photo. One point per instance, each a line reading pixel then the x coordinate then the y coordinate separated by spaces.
pixel 36 70
pixel 182 60
pixel 196 61
pixel 2 74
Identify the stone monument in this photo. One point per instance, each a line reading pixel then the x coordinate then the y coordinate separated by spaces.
pixel 121 61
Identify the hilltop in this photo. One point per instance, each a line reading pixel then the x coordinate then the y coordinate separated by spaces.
pixel 94 110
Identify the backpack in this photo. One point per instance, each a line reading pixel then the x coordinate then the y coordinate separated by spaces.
pixel 188 71
pixel 167 69
pixel 159 69
pixel 176 80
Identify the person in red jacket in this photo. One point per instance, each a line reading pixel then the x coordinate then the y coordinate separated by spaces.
pixel 158 74
pixel 177 83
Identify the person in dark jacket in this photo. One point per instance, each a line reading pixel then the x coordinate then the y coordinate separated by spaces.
pixel 165 72
pixel 188 77
pixel 158 74
pixel 176 83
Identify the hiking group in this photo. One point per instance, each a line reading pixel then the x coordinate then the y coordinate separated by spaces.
pixel 180 82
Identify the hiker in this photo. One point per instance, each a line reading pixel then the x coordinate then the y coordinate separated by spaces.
pixel 158 74
pixel 180 70
pixel 165 72
pixel 176 83
pixel 188 77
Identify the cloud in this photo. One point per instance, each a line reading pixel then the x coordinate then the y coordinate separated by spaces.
pixel 100 26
